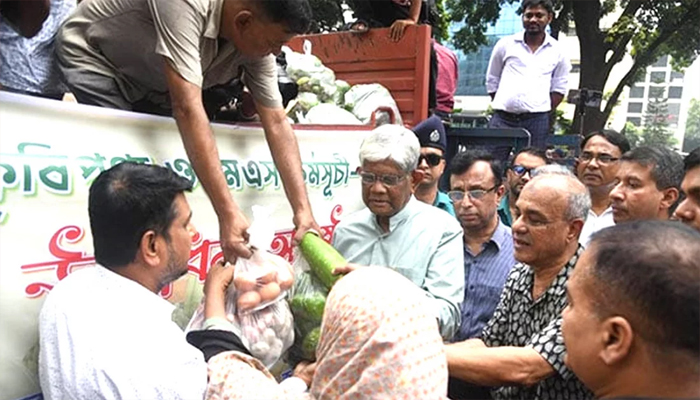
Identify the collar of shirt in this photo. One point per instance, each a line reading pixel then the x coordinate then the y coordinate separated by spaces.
pixel 500 235
pixel 548 40
pixel 498 238
pixel 135 293
pixel 211 29
pixel 558 285
pixel 607 211
pixel 401 216
pixel 504 211
pixel 442 200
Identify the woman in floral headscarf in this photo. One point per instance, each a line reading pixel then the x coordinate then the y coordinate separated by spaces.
pixel 377 341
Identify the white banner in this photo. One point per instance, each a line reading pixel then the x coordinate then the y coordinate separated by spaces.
pixel 51 151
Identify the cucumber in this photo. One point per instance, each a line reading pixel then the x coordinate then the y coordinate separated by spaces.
pixel 309 307
pixel 322 258
pixel 308 346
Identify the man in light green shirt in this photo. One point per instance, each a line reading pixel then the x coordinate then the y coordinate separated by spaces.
pixel 396 230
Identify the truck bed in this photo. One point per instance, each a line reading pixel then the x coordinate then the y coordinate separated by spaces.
pixel 372 57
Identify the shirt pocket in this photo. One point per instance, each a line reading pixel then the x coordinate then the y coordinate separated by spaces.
pixel 547 68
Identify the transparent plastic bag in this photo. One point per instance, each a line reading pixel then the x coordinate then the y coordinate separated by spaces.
pixel 254 301
pixel 307 300
pixel 259 281
pixel 364 100
pixel 330 114
pixel 268 332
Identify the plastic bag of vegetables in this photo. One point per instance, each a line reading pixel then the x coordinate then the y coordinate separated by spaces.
pixel 268 332
pixel 330 114
pixel 314 261
pixel 255 300
pixel 366 99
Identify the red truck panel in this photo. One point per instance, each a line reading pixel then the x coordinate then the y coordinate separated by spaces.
pixel 372 57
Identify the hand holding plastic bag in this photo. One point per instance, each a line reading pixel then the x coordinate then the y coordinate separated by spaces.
pixel 254 301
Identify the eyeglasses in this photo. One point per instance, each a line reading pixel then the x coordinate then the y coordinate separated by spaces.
pixel 432 159
pixel 368 178
pixel 520 170
pixel 457 195
pixel 602 158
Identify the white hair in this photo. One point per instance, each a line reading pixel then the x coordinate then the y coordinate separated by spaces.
pixel 579 199
pixel 391 142
pixel 553 169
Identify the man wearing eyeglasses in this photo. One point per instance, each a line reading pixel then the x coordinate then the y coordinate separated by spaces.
pixel 396 230
pixel 433 143
pixel 524 162
pixel 649 184
pixel 476 185
pixel 520 351
pixel 597 168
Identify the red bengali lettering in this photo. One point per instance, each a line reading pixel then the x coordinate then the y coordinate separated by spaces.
pixel 203 255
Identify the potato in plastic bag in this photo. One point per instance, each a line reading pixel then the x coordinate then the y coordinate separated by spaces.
pixel 268 333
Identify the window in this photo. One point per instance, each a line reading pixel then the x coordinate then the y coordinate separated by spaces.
pixel 674 109
pixel 675 92
pixel 676 75
pixel 658 77
pixel 637 92
pixel 661 62
pixel 656 92
pixel 636 121
pixel 634 107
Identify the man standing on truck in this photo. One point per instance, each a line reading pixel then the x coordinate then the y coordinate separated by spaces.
pixel 528 75
pixel 158 55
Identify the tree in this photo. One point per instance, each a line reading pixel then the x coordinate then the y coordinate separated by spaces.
pixel 655 130
pixel 647 30
pixel 691 138
pixel 632 134
pixel 328 16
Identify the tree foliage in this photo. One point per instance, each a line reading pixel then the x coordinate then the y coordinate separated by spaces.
pixel 655 130
pixel 647 30
pixel 328 16
pixel 691 138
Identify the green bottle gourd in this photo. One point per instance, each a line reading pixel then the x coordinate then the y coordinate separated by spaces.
pixel 322 258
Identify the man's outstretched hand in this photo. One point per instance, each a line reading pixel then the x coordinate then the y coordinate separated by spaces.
pixel 234 237
pixel 304 222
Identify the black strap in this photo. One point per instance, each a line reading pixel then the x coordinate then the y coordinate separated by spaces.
pixel 212 342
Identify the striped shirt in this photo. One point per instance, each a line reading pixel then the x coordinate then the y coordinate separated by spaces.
pixel 485 275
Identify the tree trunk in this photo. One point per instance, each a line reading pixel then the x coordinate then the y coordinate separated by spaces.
pixel 593 73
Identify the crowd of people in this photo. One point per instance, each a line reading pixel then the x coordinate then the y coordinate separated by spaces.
pixel 524 280
pixel 434 302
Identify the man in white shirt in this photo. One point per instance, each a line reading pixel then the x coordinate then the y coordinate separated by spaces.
pixel 104 331
pixel 597 168
pixel 528 75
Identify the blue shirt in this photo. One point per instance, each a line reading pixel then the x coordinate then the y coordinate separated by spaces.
pixel 443 202
pixel 424 244
pixel 485 276
pixel 29 64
